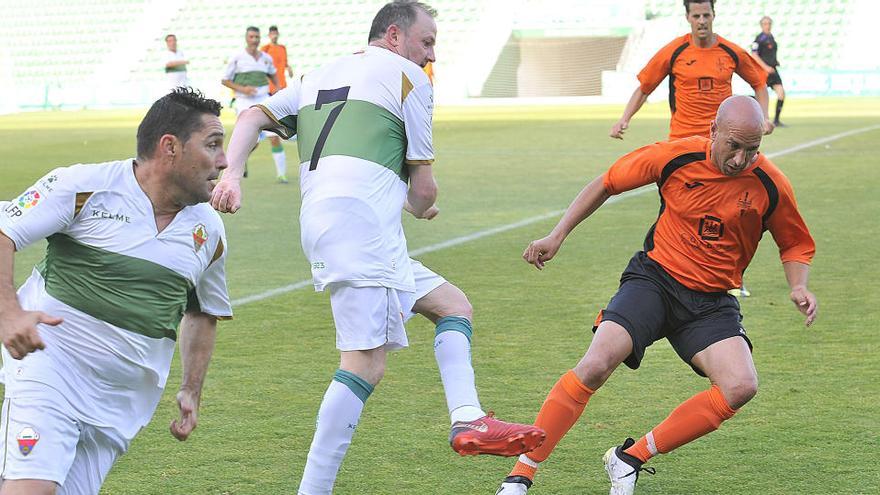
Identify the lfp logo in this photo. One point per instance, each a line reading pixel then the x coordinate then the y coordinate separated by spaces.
pixel 29 199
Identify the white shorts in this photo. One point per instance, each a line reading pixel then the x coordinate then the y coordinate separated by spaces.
pixel 371 317
pixel 40 439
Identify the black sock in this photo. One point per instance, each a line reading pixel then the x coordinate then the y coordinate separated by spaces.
pixel 778 110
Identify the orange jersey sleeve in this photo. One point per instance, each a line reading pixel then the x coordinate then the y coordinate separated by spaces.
pixel 786 224
pixel 749 70
pixel 659 66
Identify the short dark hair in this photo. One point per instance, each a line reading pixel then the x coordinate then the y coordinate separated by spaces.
pixel 178 113
pixel 252 28
pixel 687 5
pixel 273 28
pixel 401 13
pixel 170 36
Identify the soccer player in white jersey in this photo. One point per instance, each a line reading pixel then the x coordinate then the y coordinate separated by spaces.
pixel 175 64
pixel 247 74
pixel 134 252
pixel 365 145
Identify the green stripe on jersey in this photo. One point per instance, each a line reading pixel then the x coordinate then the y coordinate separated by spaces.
pixel 363 130
pixel 251 78
pixel 131 293
pixel 176 68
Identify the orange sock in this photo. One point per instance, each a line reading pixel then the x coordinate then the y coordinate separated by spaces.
pixel 695 417
pixel 560 411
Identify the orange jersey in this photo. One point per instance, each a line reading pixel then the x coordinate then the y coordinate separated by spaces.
pixel 279 60
pixel 710 224
pixel 699 80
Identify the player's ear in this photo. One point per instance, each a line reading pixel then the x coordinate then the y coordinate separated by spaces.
pixel 713 130
pixel 169 145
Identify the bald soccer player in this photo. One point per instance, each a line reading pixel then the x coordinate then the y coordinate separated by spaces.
pixel 717 197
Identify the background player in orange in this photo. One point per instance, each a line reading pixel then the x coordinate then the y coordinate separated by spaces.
pixel 700 66
pixel 764 53
pixel 717 196
pixel 279 60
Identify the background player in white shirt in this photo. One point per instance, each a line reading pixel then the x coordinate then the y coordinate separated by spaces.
pixel 175 64
pixel 248 74
pixel 364 134
pixel 133 252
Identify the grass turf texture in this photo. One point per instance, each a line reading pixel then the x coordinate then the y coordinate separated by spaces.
pixel 812 429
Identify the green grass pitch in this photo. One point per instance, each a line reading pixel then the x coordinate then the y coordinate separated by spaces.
pixel 814 427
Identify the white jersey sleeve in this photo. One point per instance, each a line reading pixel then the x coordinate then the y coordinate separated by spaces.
pixel 211 292
pixel 282 108
pixel 270 64
pixel 418 109
pixel 229 73
pixel 47 207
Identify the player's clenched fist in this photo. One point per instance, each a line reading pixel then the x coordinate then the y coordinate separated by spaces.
pixel 226 196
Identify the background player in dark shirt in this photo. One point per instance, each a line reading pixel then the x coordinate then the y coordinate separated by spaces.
pixel 764 52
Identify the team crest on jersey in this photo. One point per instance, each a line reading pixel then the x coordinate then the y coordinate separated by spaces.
pixel 27 439
pixel 29 199
pixel 711 228
pixel 200 237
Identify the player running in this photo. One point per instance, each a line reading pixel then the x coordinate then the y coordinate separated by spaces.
pixel 133 253
pixel 365 144
pixel 700 67
pixel 717 197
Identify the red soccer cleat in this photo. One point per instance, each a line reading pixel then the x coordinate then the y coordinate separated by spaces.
pixel 488 435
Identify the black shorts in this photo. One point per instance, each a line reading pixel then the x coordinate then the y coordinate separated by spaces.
pixel 651 305
pixel 773 78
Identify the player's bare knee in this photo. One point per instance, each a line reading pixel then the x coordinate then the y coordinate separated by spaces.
pixel 594 369
pixel 739 391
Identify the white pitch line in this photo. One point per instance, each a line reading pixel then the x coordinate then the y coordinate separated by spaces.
pixel 539 218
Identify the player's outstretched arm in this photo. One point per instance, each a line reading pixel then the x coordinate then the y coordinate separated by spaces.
pixel 197 334
pixel 591 197
pixel 18 328
pixel 635 103
pixel 797 274
pixel 226 197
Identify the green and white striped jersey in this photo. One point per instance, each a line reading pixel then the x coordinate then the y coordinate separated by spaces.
pixel 121 287
pixel 360 120
pixel 246 70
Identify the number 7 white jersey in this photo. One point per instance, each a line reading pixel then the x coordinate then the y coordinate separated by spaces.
pixel 360 121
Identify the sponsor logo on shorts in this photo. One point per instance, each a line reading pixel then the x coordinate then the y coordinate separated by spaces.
pixel 29 199
pixel 200 236
pixel 27 439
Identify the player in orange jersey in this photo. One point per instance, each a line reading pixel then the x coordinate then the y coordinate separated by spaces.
pixel 717 197
pixel 700 66
pixel 279 60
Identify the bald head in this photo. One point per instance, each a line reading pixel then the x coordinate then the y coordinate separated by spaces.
pixel 736 134
pixel 742 112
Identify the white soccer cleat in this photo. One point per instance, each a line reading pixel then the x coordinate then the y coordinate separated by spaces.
pixel 623 469
pixel 514 485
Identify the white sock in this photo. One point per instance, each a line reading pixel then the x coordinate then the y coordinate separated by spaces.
pixel 280 163
pixel 337 420
pixel 452 348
